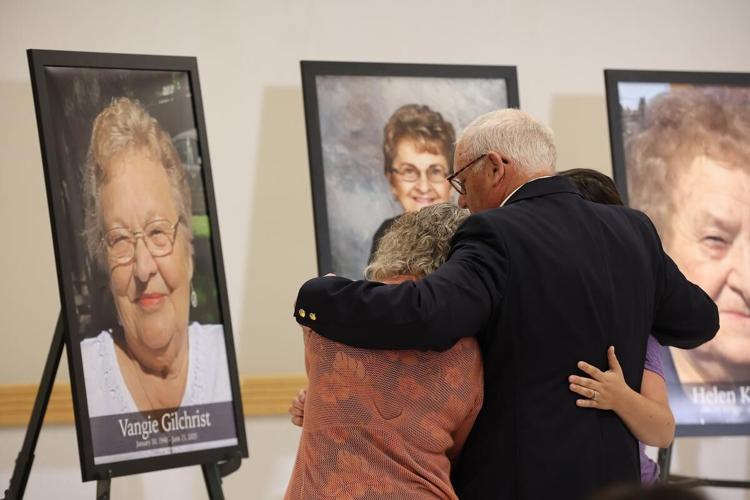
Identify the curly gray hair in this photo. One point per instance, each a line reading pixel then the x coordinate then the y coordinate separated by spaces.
pixel 417 243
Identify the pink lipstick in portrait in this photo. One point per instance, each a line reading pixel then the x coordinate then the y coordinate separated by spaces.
pixel 150 300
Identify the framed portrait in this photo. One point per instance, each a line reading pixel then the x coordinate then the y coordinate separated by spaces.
pixel 380 141
pixel 139 263
pixel 681 154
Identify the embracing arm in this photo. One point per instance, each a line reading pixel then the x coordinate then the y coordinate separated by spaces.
pixel 685 316
pixel 649 417
pixel 430 314
pixel 647 414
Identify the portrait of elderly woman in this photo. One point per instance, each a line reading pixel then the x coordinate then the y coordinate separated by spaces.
pixel 145 317
pixel 138 229
pixel 380 142
pixel 687 153
pixel 418 154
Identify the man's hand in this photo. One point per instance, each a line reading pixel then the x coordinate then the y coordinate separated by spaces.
pixel 297 409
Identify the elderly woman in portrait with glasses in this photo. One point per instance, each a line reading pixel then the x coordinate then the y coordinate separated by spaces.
pixel 418 154
pixel 138 229
pixel 688 166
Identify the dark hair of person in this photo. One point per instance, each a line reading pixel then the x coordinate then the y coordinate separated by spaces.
pixel 594 186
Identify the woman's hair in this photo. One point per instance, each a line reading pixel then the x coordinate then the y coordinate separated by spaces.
pixel 424 127
pixel 594 186
pixel 124 126
pixel 679 126
pixel 515 135
pixel 417 243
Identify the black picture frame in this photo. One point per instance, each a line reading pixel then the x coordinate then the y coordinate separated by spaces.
pixel 313 70
pixel 65 241
pixel 684 407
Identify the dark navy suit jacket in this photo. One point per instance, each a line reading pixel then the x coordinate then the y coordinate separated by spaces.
pixel 543 282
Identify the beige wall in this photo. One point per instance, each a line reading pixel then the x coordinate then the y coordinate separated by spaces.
pixel 248 53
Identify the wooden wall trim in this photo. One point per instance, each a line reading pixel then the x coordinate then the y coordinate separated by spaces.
pixel 261 396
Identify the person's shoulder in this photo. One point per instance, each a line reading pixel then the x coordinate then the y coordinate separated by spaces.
pixel 482 227
pixel 632 214
pixel 503 221
pixel 625 216
pixel 642 223
pixel 483 220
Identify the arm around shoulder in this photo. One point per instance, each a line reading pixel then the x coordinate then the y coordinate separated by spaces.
pixel 431 314
pixel 685 316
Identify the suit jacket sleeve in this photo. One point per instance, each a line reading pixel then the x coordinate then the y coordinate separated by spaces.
pixel 685 315
pixel 433 313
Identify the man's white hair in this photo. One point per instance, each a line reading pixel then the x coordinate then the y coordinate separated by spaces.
pixel 515 135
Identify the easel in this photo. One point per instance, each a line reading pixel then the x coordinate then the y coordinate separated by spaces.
pixel 212 472
pixel 665 462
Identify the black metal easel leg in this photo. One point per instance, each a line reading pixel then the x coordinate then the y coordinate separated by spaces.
pixel 665 463
pixel 665 476
pixel 26 456
pixel 213 481
pixel 212 473
pixel 102 487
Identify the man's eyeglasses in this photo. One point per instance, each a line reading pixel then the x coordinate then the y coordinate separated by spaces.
pixel 457 183
pixel 436 174
pixel 460 185
pixel 159 236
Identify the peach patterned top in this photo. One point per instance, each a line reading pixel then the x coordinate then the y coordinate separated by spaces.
pixel 384 424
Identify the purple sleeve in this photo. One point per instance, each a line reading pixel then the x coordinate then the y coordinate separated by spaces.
pixel 653 357
pixel 649 468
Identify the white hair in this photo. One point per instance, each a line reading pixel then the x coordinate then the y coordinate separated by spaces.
pixel 515 135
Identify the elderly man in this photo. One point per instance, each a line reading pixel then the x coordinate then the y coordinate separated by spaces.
pixel 543 279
